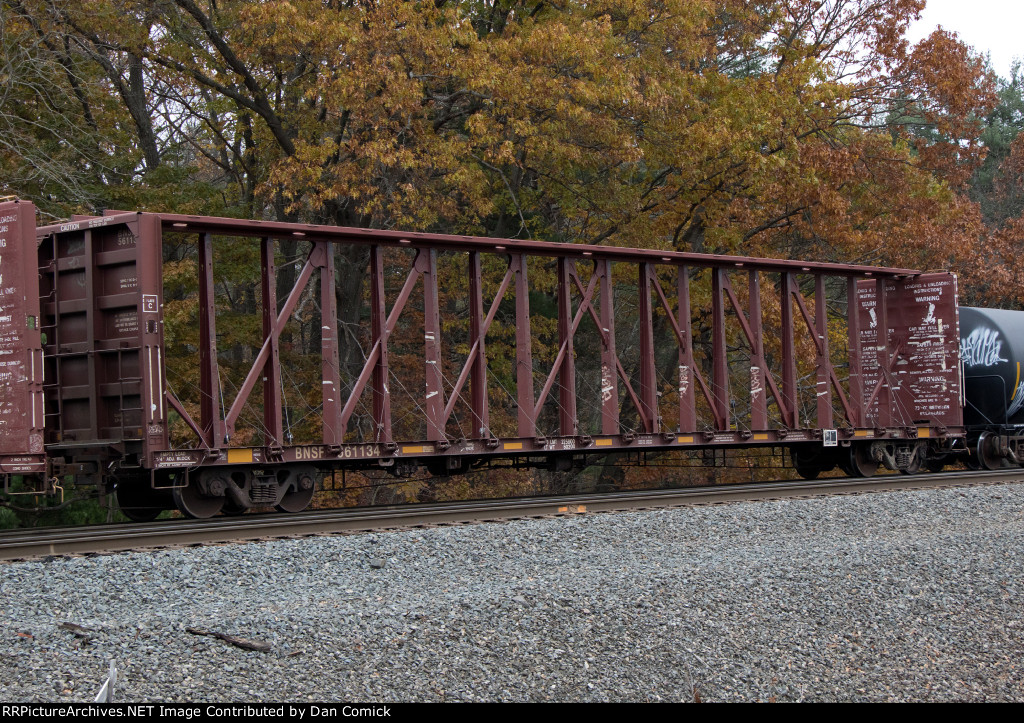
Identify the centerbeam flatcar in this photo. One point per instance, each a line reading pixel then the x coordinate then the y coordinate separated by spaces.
pixel 710 352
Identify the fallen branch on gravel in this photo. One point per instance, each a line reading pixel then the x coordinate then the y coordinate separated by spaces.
pixel 78 630
pixel 245 643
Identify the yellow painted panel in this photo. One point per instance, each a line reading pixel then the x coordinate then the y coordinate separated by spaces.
pixel 760 437
pixel 418 449
pixel 924 432
pixel 239 456
pixel 602 443
pixel 684 439
pixel 513 445
pixel 863 433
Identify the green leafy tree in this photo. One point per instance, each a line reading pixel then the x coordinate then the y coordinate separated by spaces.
pixel 1002 127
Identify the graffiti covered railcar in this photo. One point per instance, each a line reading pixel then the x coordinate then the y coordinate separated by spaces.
pixel 992 351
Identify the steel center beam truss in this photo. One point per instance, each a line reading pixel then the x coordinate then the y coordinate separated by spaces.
pixel 524 348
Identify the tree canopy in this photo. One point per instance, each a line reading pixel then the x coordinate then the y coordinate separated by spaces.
pixel 797 128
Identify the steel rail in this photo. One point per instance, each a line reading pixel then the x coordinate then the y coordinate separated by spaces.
pixel 22 544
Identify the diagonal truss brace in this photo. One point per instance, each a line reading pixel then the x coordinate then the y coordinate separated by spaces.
pixel 687 366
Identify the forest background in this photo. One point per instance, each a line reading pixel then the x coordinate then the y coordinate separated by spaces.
pixel 783 128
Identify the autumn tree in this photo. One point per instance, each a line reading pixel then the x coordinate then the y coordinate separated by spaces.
pixel 804 128
pixel 998 188
pixel 642 122
pixel 992 185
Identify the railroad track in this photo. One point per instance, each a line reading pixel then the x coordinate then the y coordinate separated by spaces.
pixel 39 542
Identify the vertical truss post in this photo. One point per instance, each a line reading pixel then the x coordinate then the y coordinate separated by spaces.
pixel 853 355
pixel 333 433
pixel 719 352
pixel 149 281
pixel 95 329
pixel 524 355
pixel 758 368
pixel 272 400
pixel 885 393
pixel 648 376
pixel 434 399
pixel 567 369
pixel 478 373
pixel 609 377
pixel 824 363
pixel 209 381
pixel 687 392
pixel 379 330
pixel 789 390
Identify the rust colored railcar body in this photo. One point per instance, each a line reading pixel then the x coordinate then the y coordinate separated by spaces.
pixel 910 345
pixel 21 354
pixel 886 398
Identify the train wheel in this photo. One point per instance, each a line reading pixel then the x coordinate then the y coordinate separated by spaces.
pixel 986 452
pixel 971 461
pixel 232 509
pixel 300 494
pixel 808 473
pixel 914 467
pixel 936 464
pixel 810 466
pixel 137 501
pixel 193 503
pixel 295 501
pixel 916 463
pixel 861 464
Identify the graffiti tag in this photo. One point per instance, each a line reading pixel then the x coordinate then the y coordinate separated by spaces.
pixel 981 347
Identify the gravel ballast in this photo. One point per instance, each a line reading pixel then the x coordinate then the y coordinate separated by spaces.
pixel 894 596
